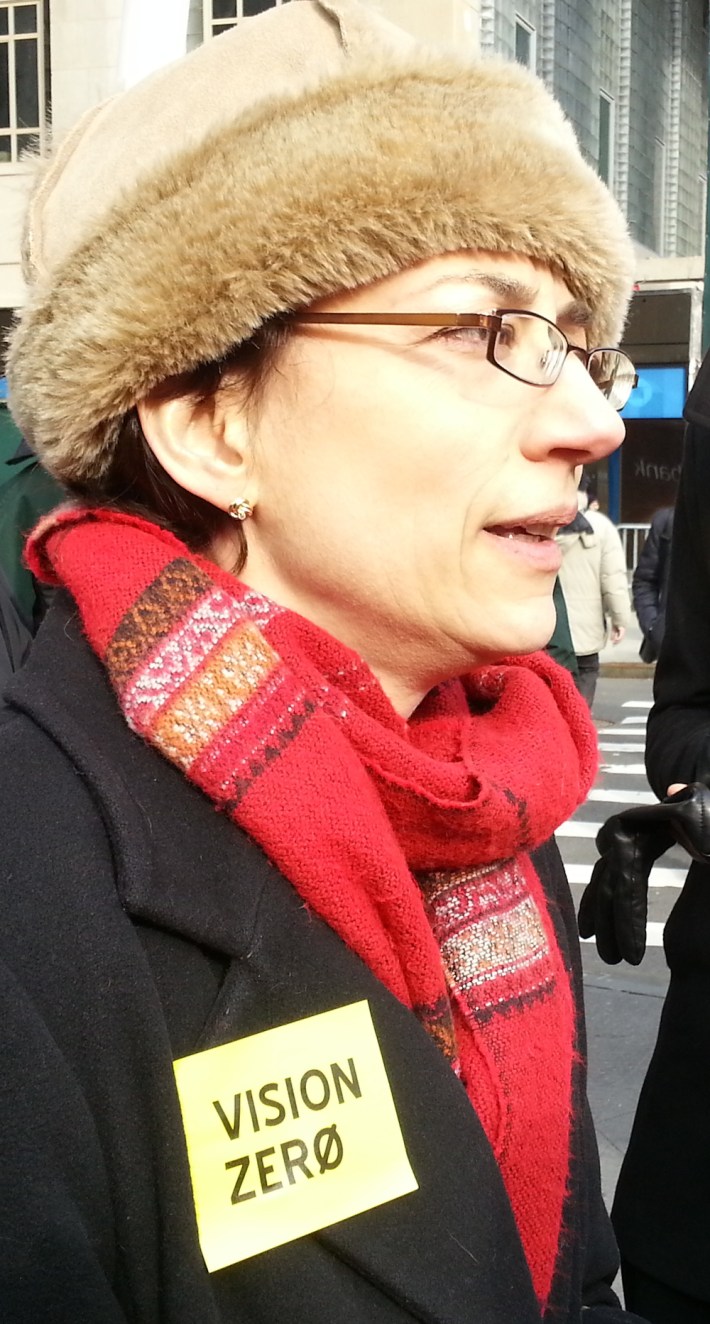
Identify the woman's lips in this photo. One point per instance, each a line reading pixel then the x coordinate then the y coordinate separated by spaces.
pixel 533 545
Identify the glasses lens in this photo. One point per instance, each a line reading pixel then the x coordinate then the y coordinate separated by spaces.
pixel 614 374
pixel 530 348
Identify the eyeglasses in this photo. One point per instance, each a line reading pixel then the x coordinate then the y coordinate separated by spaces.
pixel 522 344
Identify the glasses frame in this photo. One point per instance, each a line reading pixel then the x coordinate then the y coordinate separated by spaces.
pixel 492 321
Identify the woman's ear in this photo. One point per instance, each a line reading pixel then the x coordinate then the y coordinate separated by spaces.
pixel 205 448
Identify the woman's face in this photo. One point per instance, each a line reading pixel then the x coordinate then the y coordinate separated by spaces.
pixel 407 491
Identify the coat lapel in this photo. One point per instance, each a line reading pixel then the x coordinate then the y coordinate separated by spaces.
pixel 450 1251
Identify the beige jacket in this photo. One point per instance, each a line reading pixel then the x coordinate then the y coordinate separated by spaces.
pixel 594 581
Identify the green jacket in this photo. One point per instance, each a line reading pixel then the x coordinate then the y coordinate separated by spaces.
pixel 27 491
pixel 560 645
pixel 10 440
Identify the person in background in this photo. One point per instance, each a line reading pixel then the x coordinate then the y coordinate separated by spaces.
pixel 15 638
pixel 560 646
pixel 317 359
pixel 10 435
pixel 595 586
pixel 27 491
pixel 649 586
pixel 662 1206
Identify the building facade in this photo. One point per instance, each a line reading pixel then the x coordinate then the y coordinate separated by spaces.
pixel 630 74
pixel 632 77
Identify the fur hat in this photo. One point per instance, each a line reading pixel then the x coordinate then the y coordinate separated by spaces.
pixel 312 149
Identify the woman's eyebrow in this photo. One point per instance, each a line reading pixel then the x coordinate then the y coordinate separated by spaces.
pixel 575 313
pixel 506 288
pixel 516 294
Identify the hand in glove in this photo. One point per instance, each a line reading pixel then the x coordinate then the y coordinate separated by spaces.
pixel 614 906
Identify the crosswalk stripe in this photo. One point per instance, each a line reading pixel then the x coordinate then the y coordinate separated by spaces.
pixel 638 720
pixel 610 748
pixel 581 873
pixel 654 935
pixel 618 741
pixel 638 703
pixel 625 734
pixel 620 795
pixel 577 828
pixel 624 769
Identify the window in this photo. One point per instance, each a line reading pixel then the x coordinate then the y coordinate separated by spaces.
pixel 659 196
pixel 605 154
pixel 524 43
pixel 23 78
pixel 222 14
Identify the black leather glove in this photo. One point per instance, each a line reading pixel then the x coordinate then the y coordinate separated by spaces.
pixel 614 906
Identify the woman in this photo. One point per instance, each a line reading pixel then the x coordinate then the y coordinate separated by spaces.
pixel 661 1204
pixel 318 1055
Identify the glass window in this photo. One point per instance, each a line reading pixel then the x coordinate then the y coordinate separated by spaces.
pixel 219 15
pixel 25 18
pixel 524 43
pixel 606 137
pixel 26 142
pixel 4 86
pixel 659 196
pixel 23 77
pixel 27 84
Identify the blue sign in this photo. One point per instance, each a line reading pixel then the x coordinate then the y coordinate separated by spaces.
pixel 3 388
pixel 660 393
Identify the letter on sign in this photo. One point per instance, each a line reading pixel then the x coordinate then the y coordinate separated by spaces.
pixel 289 1131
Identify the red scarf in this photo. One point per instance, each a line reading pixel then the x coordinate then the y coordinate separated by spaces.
pixel 289 733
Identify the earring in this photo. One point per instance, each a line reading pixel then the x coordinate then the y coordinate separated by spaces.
pixel 240 510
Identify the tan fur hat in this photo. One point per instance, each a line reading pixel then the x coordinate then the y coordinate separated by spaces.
pixel 312 149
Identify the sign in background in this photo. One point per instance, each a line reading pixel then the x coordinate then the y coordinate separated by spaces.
pixel 650 467
pixel 659 393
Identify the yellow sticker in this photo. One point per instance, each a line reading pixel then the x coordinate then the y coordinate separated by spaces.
pixel 289 1131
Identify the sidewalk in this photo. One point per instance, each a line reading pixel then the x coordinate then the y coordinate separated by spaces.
pixel 623 659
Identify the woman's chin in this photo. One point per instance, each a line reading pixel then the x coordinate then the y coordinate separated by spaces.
pixel 530 632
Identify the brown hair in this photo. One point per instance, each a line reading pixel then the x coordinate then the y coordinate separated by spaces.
pixel 137 483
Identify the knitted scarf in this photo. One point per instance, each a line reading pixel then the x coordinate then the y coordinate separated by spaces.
pixel 409 838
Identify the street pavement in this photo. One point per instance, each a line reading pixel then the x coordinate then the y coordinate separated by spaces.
pixel 623 1002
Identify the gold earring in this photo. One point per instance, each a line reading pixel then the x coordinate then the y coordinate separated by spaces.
pixel 240 510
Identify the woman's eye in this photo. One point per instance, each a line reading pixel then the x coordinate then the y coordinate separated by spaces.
pixel 473 338
pixel 507 335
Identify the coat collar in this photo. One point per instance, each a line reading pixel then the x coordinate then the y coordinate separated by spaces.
pixel 162 838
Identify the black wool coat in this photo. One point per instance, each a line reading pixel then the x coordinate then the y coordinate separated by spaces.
pixel 140 926
pixel 662 1207
pixel 15 638
pixel 649 587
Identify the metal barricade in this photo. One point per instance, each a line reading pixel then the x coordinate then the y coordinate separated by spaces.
pixel 633 537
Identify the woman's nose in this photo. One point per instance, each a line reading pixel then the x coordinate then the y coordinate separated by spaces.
pixel 575 416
